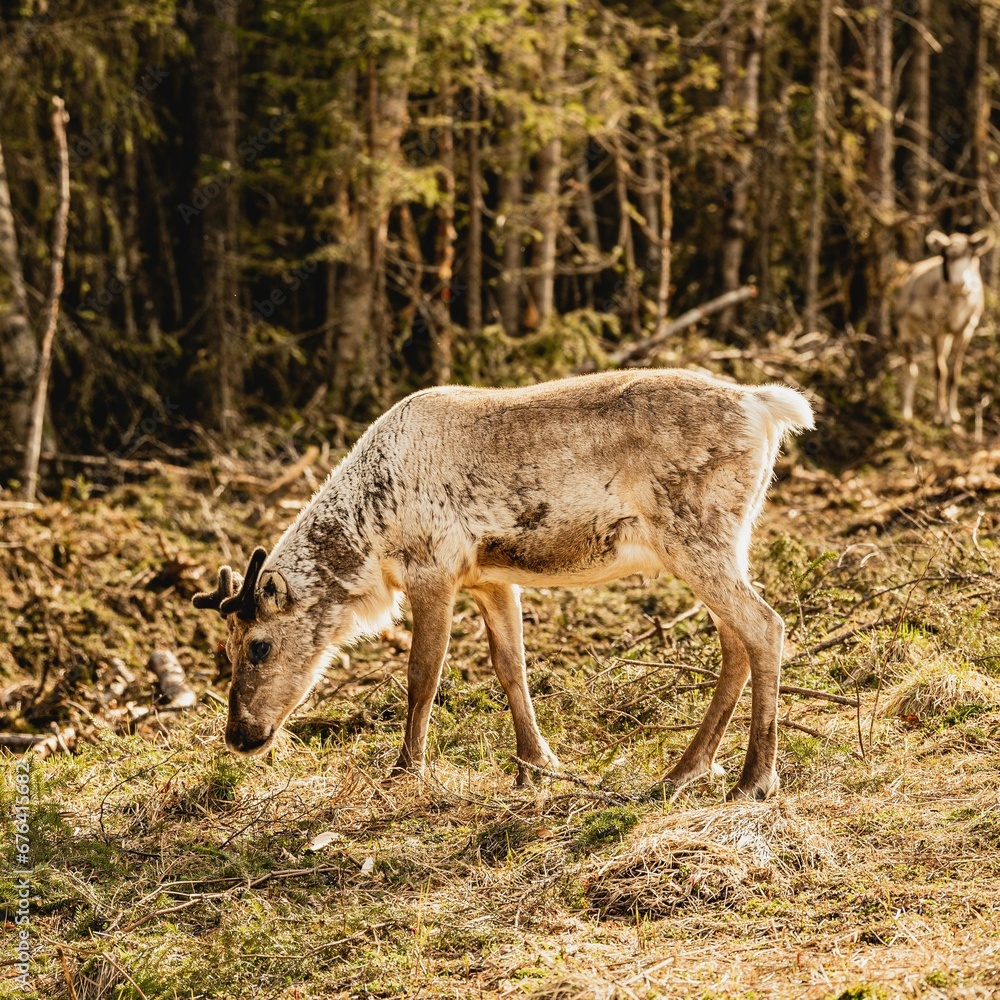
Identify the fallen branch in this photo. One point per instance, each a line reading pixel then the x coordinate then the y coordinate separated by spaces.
pixel 643 348
pixel 555 775
pixel 41 744
pixel 837 699
pixel 287 479
pixel 836 640
pixel 154 467
pixel 171 680
pixel 808 730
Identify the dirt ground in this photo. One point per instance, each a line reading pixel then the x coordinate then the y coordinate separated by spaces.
pixel 162 866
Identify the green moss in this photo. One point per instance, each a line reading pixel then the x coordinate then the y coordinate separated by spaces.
pixel 605 826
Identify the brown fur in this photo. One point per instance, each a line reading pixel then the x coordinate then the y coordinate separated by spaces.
pixel 576 482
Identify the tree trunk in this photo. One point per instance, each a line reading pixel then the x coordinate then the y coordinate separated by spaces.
pixel 666 247
pixel 918 165
pixel 881 180
pixel 474 270
pixel 33 442
pixel 331 311
pixel 511 193
pixel 986 210
pixel 630 304
pixel 441 336
pixel 821 97
pixel 351 376
pixel 216 115
pixel 770 140
pixel 588 219
pixel 18 347
pixel 362 361
pixel 549 170
pixel 130 237
pixel 651 190
pixel 745 104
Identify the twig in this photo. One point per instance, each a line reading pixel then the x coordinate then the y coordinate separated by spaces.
pixel 611 798
pixel 836 640
pixel 659 628
pixel 555 775
pixel 107 958
pixel 286 480
pixel 789 724
pixel 65 968
pixel 322 947
pixel 207 896
pixel 975 541
pixel 837 699
pixel 671 666
pixel 861 739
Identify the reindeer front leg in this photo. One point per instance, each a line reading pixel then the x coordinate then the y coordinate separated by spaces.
pixel 500 605
pixel 431 604
pixel 957 357
pixel 942 351
pixel 911 369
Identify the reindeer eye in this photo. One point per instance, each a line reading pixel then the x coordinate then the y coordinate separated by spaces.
pixel 260 650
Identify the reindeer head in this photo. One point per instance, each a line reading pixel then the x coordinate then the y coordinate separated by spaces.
pixel 960 256
pixel 272 646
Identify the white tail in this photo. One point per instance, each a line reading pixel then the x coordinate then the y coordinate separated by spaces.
pixel 788 408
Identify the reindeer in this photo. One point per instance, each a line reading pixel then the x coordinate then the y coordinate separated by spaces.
pixel 570 483
pixel 941 299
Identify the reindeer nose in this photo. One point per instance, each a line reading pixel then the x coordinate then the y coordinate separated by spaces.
pixel 248 742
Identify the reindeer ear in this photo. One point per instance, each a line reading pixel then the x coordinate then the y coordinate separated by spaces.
pixel 937 241
pixel 982 241
pixel 272 593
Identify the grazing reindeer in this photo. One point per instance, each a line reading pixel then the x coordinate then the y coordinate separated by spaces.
pixel 575 482
pixel 941 300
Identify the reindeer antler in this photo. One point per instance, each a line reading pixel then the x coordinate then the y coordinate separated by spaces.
pixel 244 603
pixel 211 600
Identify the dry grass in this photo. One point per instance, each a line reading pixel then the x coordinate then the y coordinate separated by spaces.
pixel 940 687
pixel 722 855
pixel 166 868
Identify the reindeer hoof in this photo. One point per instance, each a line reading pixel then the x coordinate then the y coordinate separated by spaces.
pixel 755 791
pixel 403 766
pixel 546 760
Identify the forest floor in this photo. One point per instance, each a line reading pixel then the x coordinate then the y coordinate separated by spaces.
pixel 163 866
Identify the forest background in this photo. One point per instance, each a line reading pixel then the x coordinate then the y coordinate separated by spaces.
pixel 292 214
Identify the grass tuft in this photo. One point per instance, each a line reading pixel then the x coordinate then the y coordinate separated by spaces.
pixel 943 688
pixel 718 855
